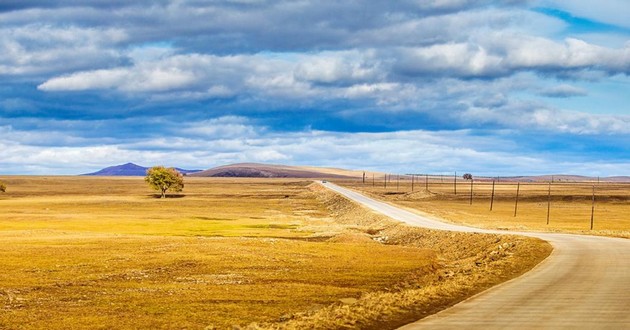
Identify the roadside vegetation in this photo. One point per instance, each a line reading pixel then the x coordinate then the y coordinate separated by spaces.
pixel 103 253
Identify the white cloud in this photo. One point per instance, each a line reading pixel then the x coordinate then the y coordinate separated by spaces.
pixel 453 59
pixel 528 114
pixel 232 139
pixel 37 48
pixel 563 90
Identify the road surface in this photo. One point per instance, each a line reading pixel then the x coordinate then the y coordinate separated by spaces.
pixel 583 284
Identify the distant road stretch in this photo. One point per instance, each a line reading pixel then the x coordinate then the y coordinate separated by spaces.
pixel 583 284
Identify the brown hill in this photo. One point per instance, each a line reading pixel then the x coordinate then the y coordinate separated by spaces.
pixel 254 170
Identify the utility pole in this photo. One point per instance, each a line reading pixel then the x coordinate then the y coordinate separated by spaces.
pixel 455 183
pixel 412 181
pixel 492 197
pixel 592 207
pixel 518 187
pixel 471 190
pixel 548 202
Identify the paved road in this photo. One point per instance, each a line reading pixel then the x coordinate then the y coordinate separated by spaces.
pixel 583 284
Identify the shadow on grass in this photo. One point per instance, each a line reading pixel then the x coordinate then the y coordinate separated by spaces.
pixel 158 196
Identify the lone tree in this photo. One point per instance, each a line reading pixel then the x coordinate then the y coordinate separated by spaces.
pixel 3 187
pixel 467 176
pixel 162 179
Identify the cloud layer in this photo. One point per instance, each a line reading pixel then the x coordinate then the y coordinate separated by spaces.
pixel 286 74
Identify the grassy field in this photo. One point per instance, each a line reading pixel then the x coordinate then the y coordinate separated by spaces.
pixel 86 252
pixel 569 205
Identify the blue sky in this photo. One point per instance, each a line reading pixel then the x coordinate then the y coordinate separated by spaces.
pixel 488 87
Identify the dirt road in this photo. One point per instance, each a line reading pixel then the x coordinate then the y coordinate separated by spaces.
pixel 584 283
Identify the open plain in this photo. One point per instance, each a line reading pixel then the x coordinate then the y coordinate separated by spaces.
pixel 90 252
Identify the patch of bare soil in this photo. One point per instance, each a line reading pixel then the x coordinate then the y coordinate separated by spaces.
pixel 466 264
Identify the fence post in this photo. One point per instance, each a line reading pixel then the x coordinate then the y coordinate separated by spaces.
pixel 518 188
pixel 548 202
pixel 492 197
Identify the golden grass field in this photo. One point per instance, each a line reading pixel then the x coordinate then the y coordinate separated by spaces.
pixel 103 253
pixel 570 207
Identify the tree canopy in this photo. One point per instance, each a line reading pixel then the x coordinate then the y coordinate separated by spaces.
pixel 3 187
pixel 164 179
pixel 467 176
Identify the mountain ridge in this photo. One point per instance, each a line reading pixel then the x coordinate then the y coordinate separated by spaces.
pixel 130 169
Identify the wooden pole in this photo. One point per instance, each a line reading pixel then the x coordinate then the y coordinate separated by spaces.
pixel 548 202
pixel 397 181
pixel 426 182
pixel 385 181
pixel 592 207
pixel 455 183
pixel 471 190
pixel 492 197
pixel 518 188
pixel 412 181
pixel 373 182
pixel 363 177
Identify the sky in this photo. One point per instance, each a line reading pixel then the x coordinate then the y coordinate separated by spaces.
pixel 511 87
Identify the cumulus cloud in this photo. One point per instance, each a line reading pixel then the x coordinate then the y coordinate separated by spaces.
pixel 532 115
pixel 38 48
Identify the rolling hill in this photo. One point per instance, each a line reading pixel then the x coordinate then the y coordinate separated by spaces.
pixel 254 170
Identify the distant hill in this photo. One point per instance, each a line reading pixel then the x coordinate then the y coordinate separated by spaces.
pixel 254 170
pixel 130 169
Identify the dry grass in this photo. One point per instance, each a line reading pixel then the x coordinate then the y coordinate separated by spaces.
pixel 467 264
pixel 570 208
pixel 86 252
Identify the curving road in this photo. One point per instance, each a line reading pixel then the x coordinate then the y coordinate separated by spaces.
pixel 583 284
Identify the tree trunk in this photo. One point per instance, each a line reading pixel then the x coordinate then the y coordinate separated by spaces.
pixel 163 193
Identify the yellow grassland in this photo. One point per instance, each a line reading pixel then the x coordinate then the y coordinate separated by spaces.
pixel 102 253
